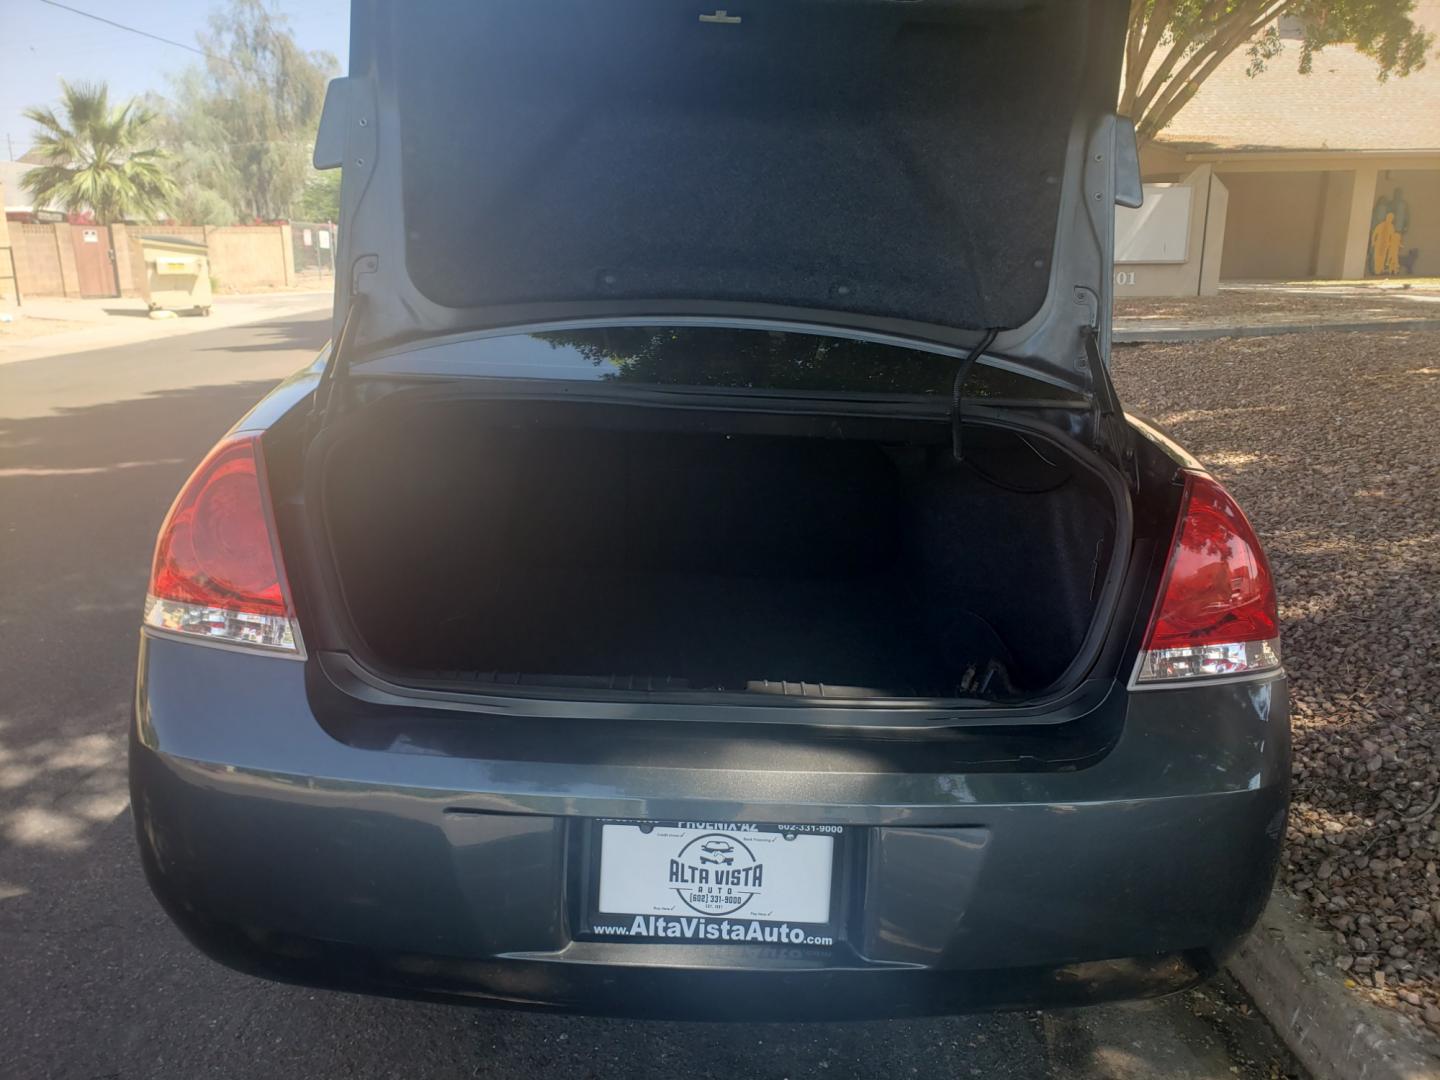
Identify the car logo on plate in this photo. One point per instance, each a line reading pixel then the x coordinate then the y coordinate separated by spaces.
pixel 716 875
pixel 717 852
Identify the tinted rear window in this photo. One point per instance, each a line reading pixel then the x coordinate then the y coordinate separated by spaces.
pixel 720 357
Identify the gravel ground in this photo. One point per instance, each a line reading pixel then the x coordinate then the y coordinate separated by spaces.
pixel 1332 444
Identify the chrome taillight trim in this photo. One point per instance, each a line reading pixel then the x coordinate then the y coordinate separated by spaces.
pixel 265 635
pixel 1161 668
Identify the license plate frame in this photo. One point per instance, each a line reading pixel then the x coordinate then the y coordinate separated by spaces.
pixel 714 924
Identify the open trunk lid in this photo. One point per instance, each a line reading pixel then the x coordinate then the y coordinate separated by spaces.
pixel 932 169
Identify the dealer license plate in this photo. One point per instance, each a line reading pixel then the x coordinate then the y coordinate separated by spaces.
pixel 717 882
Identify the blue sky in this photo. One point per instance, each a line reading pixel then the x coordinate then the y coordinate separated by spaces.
pixel 40 44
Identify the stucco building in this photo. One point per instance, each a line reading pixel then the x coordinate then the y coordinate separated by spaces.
pixel 1284 175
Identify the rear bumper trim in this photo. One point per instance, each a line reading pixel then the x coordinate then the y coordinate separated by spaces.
pixel 573 982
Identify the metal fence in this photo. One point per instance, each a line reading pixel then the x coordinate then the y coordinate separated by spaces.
pixel 313 243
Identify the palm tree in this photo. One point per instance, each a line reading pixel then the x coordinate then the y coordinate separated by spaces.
pixel 99 158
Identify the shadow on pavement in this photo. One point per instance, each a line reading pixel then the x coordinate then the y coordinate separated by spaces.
pixel 272 337
pixel 82 494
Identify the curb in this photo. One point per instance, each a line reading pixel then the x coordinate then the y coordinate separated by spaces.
pixel 1285 967
pixel 1178 334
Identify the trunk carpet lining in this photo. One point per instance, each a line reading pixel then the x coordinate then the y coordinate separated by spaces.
pixel 706 632
pixel 726 563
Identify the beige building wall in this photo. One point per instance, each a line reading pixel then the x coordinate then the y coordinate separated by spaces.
pixel 1301 215
pixel 1306 155
pixel 1213 251
pixel 9 262
pixel 245 256
pixel 1274 225
pixel 125 264
pixel 65 250
pixel 1338 192
pixel 1160 163
pixel 38 260
pixel 1296 214
pixel 241 256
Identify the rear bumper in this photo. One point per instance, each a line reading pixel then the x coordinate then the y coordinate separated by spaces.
pixel 284 851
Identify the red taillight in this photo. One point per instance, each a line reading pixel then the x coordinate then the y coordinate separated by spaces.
pixel 217 573
pixel 1216 613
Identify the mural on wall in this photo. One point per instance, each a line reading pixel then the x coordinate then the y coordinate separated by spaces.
pixel 1389 222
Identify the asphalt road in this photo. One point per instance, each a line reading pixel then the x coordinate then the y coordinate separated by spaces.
pixel 95 983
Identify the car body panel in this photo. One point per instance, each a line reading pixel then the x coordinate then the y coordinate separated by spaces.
pixel 193 705
pixel 283 849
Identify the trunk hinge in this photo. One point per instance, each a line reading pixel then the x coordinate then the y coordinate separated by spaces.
pixel 1112 436
pixel 957 398
pixel 330 391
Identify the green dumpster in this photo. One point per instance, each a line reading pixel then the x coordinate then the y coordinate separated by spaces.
pixel 177 273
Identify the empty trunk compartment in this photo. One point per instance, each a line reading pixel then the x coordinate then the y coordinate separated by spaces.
pixel 534 544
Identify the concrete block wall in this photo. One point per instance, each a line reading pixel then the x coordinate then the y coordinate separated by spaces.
pixel 129 270
pixel 247 256
pixel 65 249
pixel 37 260
pixel 241 256
pixel 8 281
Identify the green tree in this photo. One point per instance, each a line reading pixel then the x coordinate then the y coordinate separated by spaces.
pixel 244 124
pixel 98 158
pixel 199 159
pixel 320 200
pixel 1173 46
